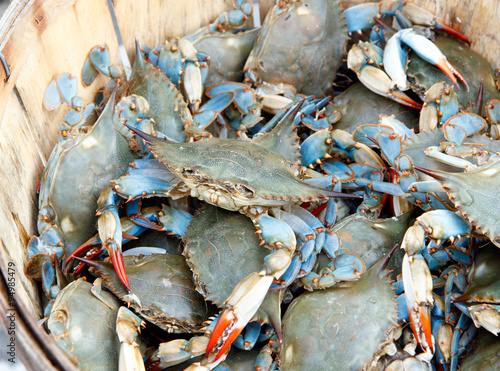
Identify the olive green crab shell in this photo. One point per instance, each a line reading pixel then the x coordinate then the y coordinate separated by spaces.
pixel 164 287
pixel 320 328
pixel 310 58
pixel 86 332
pixel 244 171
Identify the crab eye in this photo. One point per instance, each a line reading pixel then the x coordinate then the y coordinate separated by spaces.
pixel 245 191
pixel 188 172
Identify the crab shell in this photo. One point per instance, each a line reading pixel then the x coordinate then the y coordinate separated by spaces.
pixel 99 156
pixel 164 287
pixel 320 328
pixel 86 332
pixel 235 175
pixel 221 248
pixel 315 34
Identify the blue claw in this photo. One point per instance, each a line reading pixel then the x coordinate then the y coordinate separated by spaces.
pixel 174 220
pixel 361 16
pixel 249 336
pixel 275 231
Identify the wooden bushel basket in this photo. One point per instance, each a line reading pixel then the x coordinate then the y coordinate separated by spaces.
pixel 40 39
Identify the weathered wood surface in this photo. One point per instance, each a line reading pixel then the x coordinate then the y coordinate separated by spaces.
pixel 40 39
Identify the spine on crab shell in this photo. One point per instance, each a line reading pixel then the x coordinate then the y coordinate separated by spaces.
pixel 147 137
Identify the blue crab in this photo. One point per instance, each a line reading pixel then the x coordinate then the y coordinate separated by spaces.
pixel 472 66
pixel 220 256
pixel 94 344
pixel 171 302
pixel 367 58
pixel 310 60
pixel 99 153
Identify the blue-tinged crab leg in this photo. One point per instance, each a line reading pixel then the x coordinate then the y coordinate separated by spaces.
pixel 462 323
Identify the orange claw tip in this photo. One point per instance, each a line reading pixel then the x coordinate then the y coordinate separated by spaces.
pixel 451 72
pixel 405 100
pixel 129 236
pixel 425 321
pixel 226 331
pixel 117 260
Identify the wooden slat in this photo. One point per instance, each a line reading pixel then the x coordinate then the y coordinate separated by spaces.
pixel 20 167
pixel 160 20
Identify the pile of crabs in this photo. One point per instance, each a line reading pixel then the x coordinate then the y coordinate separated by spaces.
pixel 237 173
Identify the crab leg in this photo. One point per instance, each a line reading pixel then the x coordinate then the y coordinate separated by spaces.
pixel 128 326
pixel 110 232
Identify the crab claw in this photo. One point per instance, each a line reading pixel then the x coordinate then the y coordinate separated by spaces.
pixel 431 53
pixel 110 232
pixel 417 282
pixel 450 31
pixel 86 246
pixel 241 306
pixel 379 82
pixel 421 16
pixel 115 253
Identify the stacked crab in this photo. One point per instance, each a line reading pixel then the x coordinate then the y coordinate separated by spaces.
pixel 273 162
